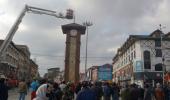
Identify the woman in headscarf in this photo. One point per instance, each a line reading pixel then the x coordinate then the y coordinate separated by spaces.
pixel 43 92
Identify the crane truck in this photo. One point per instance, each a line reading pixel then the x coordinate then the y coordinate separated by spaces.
pixel 30 9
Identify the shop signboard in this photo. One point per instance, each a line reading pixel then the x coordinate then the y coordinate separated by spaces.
pixel 138 66
pixel 105 72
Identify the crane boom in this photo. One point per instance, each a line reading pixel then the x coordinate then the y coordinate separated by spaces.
pixel 14 28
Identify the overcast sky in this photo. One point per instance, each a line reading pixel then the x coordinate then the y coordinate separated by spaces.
pixel 113 21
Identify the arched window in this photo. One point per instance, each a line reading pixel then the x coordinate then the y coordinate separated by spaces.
pixel 158 52
pixel 147 60
pixel 158 67
pixel 158 43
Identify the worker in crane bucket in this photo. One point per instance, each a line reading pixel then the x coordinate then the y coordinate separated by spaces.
pixel 3 88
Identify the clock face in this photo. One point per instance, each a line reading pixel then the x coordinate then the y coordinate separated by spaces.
pixel 73 32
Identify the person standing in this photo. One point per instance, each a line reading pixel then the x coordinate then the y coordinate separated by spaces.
pixel 78 88
pixel 22 89
pixel 141 93
pixel 86 93
pixel 3 88
pixel 159 93
pixel 56 93
pixel 167 91
pixel 34 87
pixel 62 85
pixel 148 92
pixel 106 91
pixel 125 93
pixel 68 92
pixel 44 91
pixel 115 91
pixel 134 93
pixel 97 90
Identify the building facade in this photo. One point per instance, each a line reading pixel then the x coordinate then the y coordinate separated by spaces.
pixel 53 73
pixel 9 61
pixel 100 73
pixel 33 69
pixel 16 64
pixel 24 67
pixel 142 59
pixel 95 73
pixel 89 74
pixel 82 77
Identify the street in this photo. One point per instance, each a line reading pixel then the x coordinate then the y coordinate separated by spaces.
pixel 14 95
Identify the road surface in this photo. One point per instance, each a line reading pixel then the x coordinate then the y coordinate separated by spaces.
pixel 14 95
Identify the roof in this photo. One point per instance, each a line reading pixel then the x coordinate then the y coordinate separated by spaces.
pixel 66 28
pixel 24 49
pixel 156 35
pixel 12 43
pixel 168 34
pixel 56 68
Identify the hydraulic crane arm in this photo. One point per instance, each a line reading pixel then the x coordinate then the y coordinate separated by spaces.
pixel 35 10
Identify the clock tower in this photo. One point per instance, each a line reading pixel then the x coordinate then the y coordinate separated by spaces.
pixel 73 33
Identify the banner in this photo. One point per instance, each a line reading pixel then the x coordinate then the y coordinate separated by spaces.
pixel 138 66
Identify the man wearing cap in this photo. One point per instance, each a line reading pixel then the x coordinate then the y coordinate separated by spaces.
pixel 3 88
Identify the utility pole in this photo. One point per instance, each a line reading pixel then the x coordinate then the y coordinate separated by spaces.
pixel 87 24
pixel 163 59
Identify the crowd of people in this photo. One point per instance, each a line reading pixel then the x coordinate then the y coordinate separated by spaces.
pixel 49 90
pixel 97 91
pixel 86 90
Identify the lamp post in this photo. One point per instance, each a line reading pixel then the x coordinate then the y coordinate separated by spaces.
pixel 163 65
pixel 87 24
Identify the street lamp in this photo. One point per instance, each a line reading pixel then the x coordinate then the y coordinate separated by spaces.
pixel 163 59
pixel 87 24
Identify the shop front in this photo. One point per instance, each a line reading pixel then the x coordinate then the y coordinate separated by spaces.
pixel 148 78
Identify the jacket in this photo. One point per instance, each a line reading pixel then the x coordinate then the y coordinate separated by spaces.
pixel 3 92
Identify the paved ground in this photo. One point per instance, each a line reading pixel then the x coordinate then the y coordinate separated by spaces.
pixel 14 95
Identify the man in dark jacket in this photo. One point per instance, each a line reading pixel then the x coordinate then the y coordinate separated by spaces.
pixel 97 89
pixel 3 88
pixel 106 91
pixel 167 91
pixel 148 92
pixel 86 93
pixel 134 93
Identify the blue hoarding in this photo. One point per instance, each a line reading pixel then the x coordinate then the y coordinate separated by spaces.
pixel 105 72
pixel 138 66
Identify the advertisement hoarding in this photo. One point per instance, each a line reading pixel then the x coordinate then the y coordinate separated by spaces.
pixel 105 72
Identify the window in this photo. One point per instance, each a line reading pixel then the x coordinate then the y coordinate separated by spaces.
pixel 147 65
pixel 134 54
pixel 158 52
pixel 158 67
pixel 147 60
pixel 157 43
pixel 146 55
